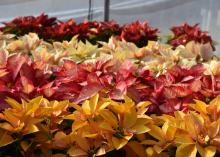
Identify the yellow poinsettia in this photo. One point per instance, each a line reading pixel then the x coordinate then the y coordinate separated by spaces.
pixel 5 138
pixel 22 117
pixel 86 147
pixel 87 112
pixel 164 137
pixel 124 121
pixel 24 44
pixel 27 117
pixel 100 125
pixel 199 130
pixel 115 122
pixel 193 132
pixel 150 152
pixel 86 119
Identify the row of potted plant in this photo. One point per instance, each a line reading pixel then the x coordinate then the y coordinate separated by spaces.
pixel 62 95
pixel 51 29
pixel 104 127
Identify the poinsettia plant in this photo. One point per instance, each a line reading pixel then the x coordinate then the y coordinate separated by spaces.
pixel 51 29
pixel 139 33
pixel 101 89
pixel 185 33
pixel 25 24
pixel 174 90
pixel 100 126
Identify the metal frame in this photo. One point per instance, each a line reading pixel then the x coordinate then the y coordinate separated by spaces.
pixel 90 11
pixel 106 10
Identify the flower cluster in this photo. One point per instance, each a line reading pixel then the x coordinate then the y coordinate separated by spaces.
pixel 139 33
pixel 26 24
pixel 126 95
pixel 192 133
pixel 76 71
pixel 96 127
pixel 51 29
pixel 100 125
pixel 185 33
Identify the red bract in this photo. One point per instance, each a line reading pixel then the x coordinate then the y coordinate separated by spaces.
pixel 179 87
pixel 67 84
pixel 78 82
pixel 26 24
pixel 21 78
pixel 60 31
pixel 139 33
pixel 171 91
pixel 110 27
pixel 211 86
pixel 85 29
pixel 105 30
pixel 97 31
pixel 51 29
pixel 184 33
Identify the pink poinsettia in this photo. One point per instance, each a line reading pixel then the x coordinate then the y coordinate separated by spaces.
pixel 179 87
pixel 77 82
pixel 175 88
pixel 20 77
pixel 124 79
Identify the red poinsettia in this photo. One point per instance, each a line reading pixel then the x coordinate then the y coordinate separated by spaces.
pixel 185 33
pixel 60 31
pixel 97 31
pixel 21 78
pixel 139 33
pixel 51 29
pixel 111 26
pixel 26 24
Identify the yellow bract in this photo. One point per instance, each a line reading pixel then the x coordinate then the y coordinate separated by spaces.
pixel 196 131
pixel 100 125
pixel 118 122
